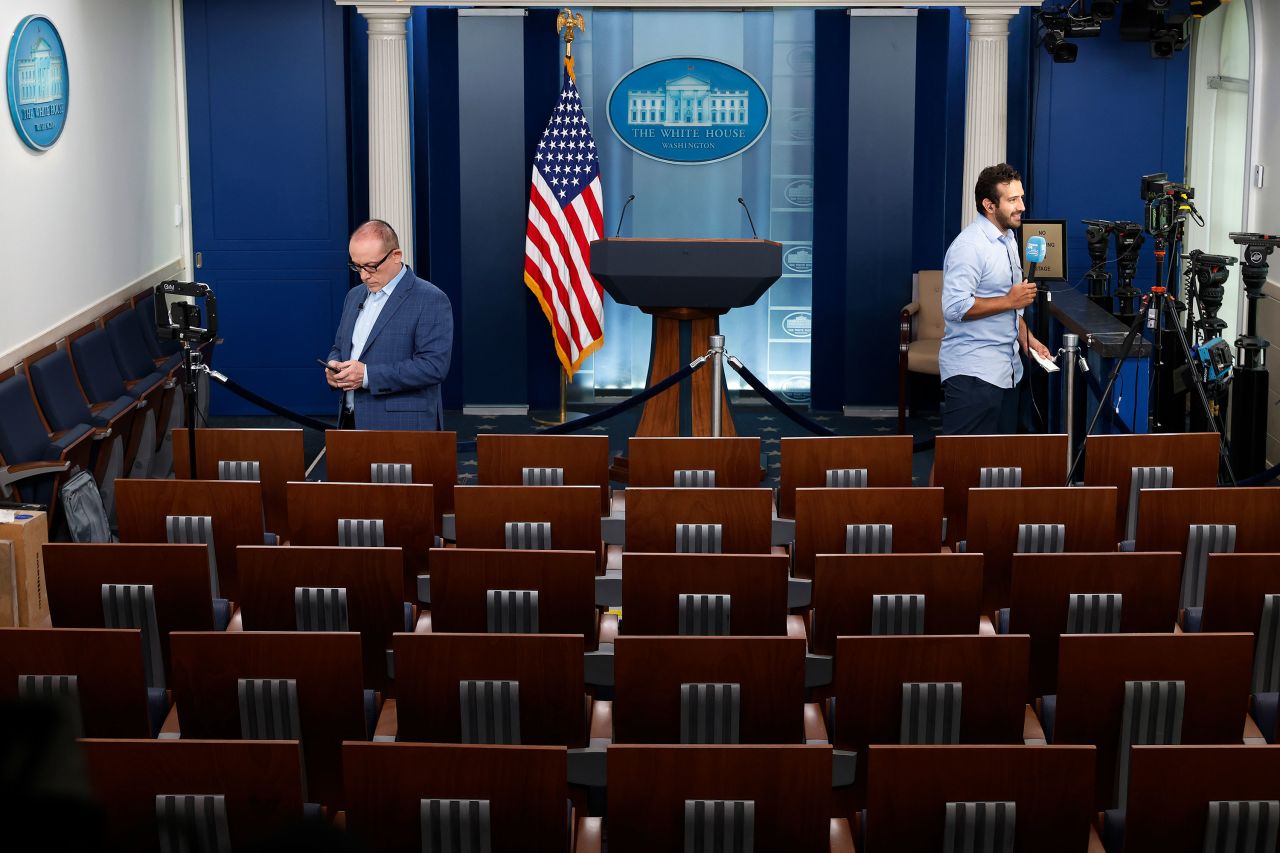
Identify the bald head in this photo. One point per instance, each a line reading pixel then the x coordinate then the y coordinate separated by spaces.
pixel 376 229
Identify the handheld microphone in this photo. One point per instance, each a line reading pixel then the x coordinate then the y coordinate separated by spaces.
pixel 1035 252
pixel 749 219
pixel 625 205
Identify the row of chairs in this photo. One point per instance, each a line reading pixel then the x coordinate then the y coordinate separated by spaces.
pixel 427 796
pixel 222 675
pixel 103 399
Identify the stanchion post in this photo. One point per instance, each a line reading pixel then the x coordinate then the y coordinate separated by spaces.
pixel 717 380
pixel 1070 351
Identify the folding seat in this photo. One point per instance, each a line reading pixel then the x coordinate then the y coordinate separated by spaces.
pixel 744 797
pixel 965 799
pixel 272 457
pixel 306 588
pixel 712 690
pixel 275 686
pixel 1198 799
pixel 194 795
pixel 926 690
pixel 444 797
pixel 1158 460
pixel 959 462
pixel 397 456
pixel 1116 691
pixel 366 515
pixel 882 461
pixel 167 354
pixel 78 578
pixel 102 381
pixel 98 676
pixel 31 456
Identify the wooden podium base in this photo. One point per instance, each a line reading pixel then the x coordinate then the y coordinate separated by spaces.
pixel 679 336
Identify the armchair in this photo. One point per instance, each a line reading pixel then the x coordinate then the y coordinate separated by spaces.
pixel 920 328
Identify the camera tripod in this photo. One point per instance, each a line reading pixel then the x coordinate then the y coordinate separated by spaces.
pixel 1160 300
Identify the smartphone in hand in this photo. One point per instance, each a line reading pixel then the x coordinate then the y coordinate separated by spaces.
pixel 327 365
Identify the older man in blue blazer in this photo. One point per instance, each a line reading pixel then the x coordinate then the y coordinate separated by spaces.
pixel 394 340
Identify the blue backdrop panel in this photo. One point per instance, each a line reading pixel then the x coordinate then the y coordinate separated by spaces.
pixel 266 119
pixel 830 208
pixel 882 84
pixel 1101 123
pixel 492 205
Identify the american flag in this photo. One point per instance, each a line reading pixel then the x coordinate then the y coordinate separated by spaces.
pixel 566 207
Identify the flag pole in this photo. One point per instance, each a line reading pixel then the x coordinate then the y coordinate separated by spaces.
pixel 566 23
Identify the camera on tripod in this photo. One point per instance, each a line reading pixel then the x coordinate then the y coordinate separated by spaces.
pixel 1166 202
pixel 178 310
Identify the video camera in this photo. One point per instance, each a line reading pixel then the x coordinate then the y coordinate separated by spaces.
pixel 1167 201
pixel 178 309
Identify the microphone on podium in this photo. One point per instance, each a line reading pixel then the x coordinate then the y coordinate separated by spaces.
pixel 625 205
pixel 750 221
pixel 1035 252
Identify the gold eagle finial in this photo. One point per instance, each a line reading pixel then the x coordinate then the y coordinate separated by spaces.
pixel 566 21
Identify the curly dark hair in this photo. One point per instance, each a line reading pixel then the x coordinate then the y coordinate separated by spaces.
pixel 989 181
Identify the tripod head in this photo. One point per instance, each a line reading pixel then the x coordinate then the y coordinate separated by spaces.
pixel 1129 240
pixel 1206 280
pixel 1253 259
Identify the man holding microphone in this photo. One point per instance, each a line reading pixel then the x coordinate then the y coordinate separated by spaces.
pixel 983 297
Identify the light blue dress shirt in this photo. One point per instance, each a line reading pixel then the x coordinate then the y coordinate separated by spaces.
pixel 981 263
pixel 367 316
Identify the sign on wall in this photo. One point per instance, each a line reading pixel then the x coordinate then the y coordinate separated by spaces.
pixel 688 110
pixel 37 82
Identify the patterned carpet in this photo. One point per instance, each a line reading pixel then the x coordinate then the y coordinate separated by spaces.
pixel 756 419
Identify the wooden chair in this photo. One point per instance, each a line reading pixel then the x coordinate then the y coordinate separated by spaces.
pixel 870 701
pixel 351 454
pixel 405 509
pixel 655 460
pixel 278 453
pixel 920 329
pixel 845 584
pixel 1165 515
pixel 755 583
pixel 1093 669
pixel 582 459
pixel 178 575
pixel 824 515
pixel 806 461
pixel 564 580
pixel 235 508
pixel 744 515
pixel 572 511
pixel 652 673
pixel 1041 586
pixel 261 783
pixel 1234 590
pixel 909 788
pixel 790 786
pixel 107 665
pixel 553 707
pixel 958 461
pixel 375 606
pixel 1170 788
pixel 995 515
pixel 331 705
pixel 1110 460
pixel 524 787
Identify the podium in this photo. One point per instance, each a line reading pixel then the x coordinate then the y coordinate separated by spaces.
pixel 685 285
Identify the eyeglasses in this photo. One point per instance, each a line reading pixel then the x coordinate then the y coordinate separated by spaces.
pixel 369 268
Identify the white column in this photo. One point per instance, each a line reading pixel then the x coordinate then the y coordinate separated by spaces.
pixel 390 164
pixel 986 103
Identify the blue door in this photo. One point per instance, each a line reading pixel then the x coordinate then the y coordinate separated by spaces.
pixel 267 124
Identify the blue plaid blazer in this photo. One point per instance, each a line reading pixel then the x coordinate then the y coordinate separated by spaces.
pixel 406 357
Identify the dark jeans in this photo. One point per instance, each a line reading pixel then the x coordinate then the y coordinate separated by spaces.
pixel 971 406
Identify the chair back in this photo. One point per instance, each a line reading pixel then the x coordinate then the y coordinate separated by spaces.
pixel 930 324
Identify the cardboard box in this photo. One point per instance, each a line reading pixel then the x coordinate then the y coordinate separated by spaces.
pixel 28 530
pixel 8 586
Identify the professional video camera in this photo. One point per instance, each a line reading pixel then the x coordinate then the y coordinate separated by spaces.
pixel 1249 398
pixel 1129 241
pixel 1168 203
pixel 1206 277
pixel 178 311
pixel 1097 233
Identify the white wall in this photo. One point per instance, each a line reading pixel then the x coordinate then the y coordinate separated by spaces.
pixel 1264 203
pixel 92 220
